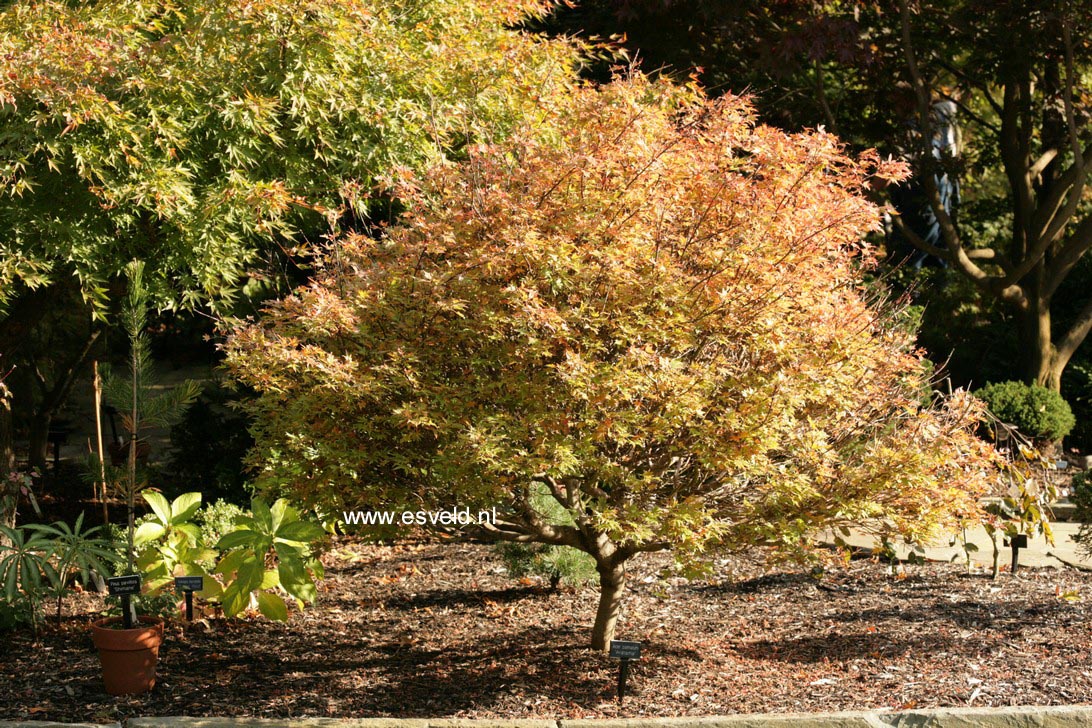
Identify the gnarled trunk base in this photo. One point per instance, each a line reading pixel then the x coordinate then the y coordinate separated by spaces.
pixel 612 584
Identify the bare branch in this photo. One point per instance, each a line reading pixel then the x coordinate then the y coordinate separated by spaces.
pixel 1070 118
pixel 523 533
pixel 1041 163
pixel 984 88
pixel 1059 192
pixel 956 254
pixel 821 95
pixel 1072 250
pixel 916 240
pixel 1074 337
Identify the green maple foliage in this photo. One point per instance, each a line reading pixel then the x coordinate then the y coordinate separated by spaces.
pixel 191 133
pixel 656 312
pixel 215 140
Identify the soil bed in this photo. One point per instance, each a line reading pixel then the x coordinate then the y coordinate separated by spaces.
pixel 439 630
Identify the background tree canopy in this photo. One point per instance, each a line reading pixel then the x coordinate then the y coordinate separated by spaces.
pixel 1013 302
pixel 216 139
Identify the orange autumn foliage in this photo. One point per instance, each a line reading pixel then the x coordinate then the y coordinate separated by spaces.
pixel 656 313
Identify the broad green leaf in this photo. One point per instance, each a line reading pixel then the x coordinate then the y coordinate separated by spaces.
pixel 272 606
pixel 247 523
pixel 159 505
pixel 250 574
pixel 231 562
pixel 156 585
pixel 184 507
pixel 295 579
pixel 301 532
pixel 236 595
pixel 202 554
pixel 270 579
pixel 263 518
pixel 234 599
pixel 278 515
pixel 149 561
pixel 213 589
pixel 149 531
pixel 192 531
pixel 11 579
pixel 237 539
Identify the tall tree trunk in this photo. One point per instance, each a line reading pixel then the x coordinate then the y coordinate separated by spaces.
pixel 612 584
pixel 1053 378
pixel 1043 364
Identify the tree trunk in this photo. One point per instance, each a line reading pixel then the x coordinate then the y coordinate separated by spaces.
pixel 1044 363
pixel 1038 347
pixel 612 584
pixel 38 436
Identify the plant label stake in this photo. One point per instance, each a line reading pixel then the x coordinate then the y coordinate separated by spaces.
pixel 188 585
pixel 624 651
pixel 1017 542
pixel 125 587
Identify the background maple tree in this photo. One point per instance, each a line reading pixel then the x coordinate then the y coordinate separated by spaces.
pixel 216 140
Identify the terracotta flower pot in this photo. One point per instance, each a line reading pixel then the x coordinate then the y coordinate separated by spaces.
pixel 128 656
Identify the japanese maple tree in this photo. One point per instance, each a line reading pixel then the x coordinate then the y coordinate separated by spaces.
pixel 655 313
pixel 210 139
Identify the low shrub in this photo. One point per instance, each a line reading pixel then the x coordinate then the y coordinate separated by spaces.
pixel 558 564
pixel 1036 411
pixel 260 558
pixel 38 561
pixel 217 519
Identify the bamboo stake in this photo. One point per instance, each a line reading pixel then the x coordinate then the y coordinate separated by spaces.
pixel 98 433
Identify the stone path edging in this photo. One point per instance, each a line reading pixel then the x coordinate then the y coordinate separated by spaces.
pixel 1009 717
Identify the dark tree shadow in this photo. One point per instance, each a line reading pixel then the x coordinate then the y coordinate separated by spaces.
pixel 767 582
pixel 863 634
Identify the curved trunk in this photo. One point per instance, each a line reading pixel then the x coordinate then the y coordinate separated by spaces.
pixel 1045 353
pixel 612 584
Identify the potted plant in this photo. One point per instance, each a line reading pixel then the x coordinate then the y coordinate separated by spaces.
pixel 129 645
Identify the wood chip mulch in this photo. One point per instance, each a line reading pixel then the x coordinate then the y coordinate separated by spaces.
pixel 432 630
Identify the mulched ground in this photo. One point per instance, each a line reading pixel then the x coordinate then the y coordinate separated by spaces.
pixel 440 630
